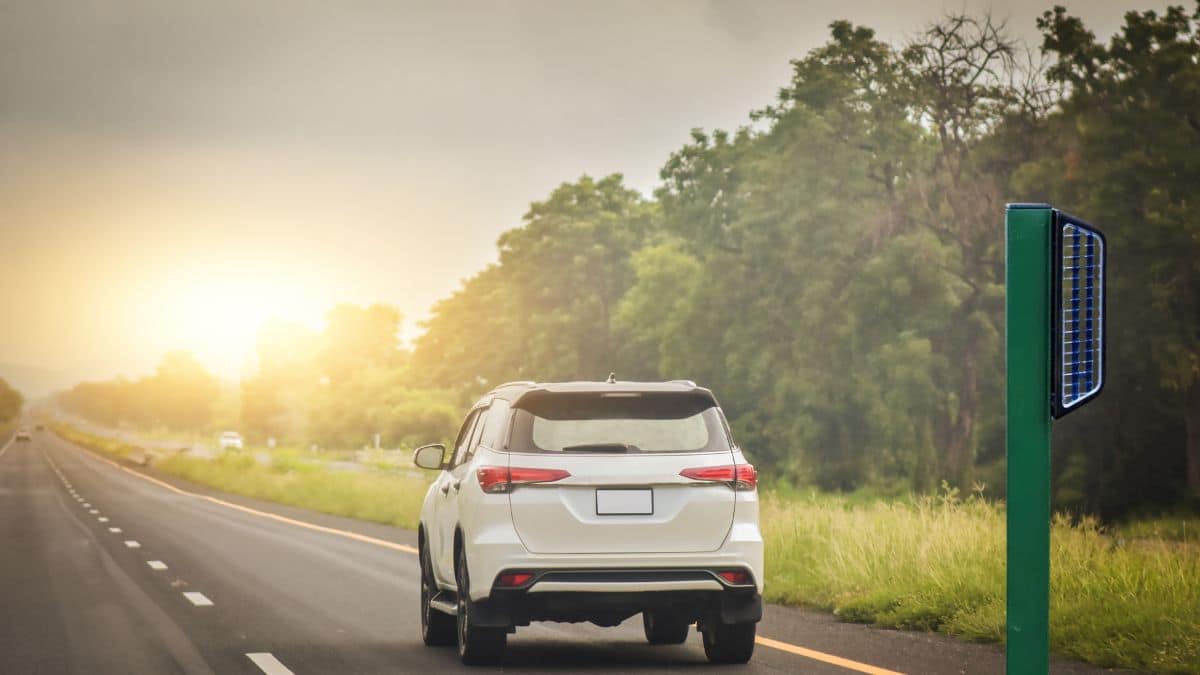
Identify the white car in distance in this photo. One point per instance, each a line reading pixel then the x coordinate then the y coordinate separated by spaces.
pixel 591 501
pixel 230 440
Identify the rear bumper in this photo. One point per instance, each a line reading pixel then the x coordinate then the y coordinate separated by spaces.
pixel 611 606
pixel 611 580
pixel 495 550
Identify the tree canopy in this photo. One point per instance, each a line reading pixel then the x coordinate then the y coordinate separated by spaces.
pixel 833 271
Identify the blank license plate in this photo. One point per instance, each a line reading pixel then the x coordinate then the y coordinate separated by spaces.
pixel 624 502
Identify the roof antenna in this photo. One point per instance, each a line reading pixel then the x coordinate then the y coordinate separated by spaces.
pixel 612 378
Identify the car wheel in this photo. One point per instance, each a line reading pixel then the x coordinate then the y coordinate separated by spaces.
pixel 729 642
pixel 663 629
pixel 477 645
pixel 438 629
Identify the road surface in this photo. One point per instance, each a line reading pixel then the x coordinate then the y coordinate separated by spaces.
pixel 111 569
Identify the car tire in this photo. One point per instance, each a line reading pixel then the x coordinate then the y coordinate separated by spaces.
pixel 663 629
pixel 729 642
pixel 477 645
pixel 438 629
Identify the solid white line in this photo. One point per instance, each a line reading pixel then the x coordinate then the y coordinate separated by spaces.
pixel 5 448
pixel 157 565
pixel 198 599
pixel 132 544
pixel 269 664
pixel 115 530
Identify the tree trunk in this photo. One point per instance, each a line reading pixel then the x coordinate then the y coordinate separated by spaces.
pixel 958 449
pixel 1191 418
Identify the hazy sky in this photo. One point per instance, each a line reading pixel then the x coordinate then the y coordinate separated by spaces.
pixel 171 174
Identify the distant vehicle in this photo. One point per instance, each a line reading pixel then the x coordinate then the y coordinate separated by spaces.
pixel 39 427
pixel 23 435
pixel 230 439
pixel 591 501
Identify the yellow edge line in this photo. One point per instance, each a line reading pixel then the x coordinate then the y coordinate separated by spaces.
pixel 766 642
pixel 822 656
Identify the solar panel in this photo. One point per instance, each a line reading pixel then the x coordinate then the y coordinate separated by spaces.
pixel 1079 310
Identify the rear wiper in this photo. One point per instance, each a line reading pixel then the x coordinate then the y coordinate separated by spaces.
pixel 602 447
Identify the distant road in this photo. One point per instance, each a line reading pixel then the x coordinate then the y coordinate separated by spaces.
pixel 104 571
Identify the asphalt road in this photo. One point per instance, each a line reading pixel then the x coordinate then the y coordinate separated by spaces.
pixel 105 571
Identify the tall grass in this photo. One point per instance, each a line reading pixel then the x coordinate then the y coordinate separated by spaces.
pixel 938 563
pixel 926 563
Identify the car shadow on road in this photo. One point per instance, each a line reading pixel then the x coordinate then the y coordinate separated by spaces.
pixel 548 655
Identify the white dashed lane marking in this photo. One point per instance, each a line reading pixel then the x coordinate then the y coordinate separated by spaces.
pixel 269 664
pixel 132 544
pixel 93 511
pixel 114 530
pixel 198 599
pixel 157 565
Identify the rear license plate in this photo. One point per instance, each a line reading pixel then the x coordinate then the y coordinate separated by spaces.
pixel 625 502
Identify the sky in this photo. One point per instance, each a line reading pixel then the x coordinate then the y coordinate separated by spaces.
pixel 172 174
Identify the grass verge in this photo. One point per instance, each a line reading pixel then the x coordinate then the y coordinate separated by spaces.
pixel 930 563
pixel 287 479
pixel 938 563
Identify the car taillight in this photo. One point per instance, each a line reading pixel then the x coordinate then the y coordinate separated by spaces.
pixel 501 479
pixel 738 476
pixel 735 577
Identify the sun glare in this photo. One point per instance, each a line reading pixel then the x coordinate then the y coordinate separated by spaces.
pixel 217 312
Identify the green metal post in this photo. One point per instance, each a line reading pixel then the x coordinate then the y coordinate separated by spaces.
pixel 1027 358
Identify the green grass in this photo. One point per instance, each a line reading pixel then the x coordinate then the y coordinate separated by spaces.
pixel 938 564
pixel 1171 528
pixel 930 563
pixel 290 478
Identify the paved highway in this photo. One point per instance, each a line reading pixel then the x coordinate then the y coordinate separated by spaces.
pixel 108 569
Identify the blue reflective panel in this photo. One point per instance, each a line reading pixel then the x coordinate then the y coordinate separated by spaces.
pixel 1082 315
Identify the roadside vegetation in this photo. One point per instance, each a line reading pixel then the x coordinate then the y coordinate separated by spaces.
pixel 934 563
pixel 289 477
pixel 937 563
pixel 10 406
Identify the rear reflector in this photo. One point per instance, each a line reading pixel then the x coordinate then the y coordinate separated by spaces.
pixel 501 479
pixel 735 577
pixel 739 476
pixel 513 579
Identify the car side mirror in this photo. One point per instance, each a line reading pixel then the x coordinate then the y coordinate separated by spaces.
pixel 430 456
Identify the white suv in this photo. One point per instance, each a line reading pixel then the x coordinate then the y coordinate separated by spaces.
pixel 591 501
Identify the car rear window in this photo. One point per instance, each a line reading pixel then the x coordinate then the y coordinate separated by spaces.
pixel 618 423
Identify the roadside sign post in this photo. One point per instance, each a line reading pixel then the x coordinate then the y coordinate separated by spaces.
pixel 1054 349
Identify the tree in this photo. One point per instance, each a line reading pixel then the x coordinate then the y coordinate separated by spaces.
pixel 547 309
pixel 182 392
pixel 1131 124
pixel 10 402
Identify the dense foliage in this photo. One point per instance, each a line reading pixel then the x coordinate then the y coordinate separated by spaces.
pixel 10 402
pixel 834 271
pixel 179 395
